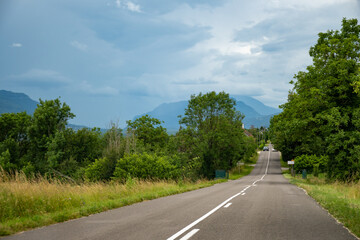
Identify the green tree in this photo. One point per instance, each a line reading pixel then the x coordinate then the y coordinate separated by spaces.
pixel 149 131
pixel 70 150
pixel 50 116
pixel 213 132
pixel 321 115
pixel 14 138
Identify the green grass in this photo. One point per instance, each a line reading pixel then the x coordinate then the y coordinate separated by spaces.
pixel 30 203
pixel 283 163
pixel 342 200
pixel 236 174
pixel 245 169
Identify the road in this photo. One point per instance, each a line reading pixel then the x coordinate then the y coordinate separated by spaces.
pixel 262 205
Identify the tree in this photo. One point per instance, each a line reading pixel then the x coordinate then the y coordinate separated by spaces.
pixel 14 141
pixel 70 150
pixel 322 112
pixel 213 132
pixel 149 131
pixel 49 117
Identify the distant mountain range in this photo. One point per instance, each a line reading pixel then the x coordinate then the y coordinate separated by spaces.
pixel 11 102
pixel 256 113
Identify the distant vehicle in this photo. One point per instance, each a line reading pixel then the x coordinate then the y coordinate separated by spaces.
pixel 274 150
pixel 265 149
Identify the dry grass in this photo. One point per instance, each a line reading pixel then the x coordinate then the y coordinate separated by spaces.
pixel 28 203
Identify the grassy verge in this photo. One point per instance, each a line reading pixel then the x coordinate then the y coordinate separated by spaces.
pixel 235 173
pixel 243 170
pixel 283 163
pixel 342 200
pixel 27 204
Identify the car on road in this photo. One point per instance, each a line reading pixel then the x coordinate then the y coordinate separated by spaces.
pixel 265 149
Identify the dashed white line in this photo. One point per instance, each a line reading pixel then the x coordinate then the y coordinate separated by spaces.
pixel 227 205
pixel 243 194
pixel 190 234
pixel 215 209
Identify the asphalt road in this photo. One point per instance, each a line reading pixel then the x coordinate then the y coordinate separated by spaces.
pixel 262 205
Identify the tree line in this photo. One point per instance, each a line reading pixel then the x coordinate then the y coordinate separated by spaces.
pixel 210 137
pixel 321 119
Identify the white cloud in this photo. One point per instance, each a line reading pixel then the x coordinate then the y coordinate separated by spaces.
pixel 78 45
pixel 16 45
pixel 133 7
pixel 128 5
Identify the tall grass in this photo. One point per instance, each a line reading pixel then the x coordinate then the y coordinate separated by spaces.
pixel 342 200
pixel 27 203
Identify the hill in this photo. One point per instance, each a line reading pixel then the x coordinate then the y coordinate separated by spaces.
pixel 256 115
pixel 11 102
pixel 257 105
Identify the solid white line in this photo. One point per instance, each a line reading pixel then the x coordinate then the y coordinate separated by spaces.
pixel 243 194
pixel 217 208
pixel 227 205
pixel 190 234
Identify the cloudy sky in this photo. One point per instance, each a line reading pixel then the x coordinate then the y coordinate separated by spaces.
pixel 113 59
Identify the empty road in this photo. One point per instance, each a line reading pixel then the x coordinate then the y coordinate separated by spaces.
pixel 262 205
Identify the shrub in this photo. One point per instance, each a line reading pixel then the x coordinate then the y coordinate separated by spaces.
pixel 101 169
pixel 145 166
pixel 311 163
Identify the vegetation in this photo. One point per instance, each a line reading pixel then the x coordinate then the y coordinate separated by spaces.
pixel 50 173
pixel 322 115
pixel 213 133
pixel 33 202
pixel 41 144
pixel 342 200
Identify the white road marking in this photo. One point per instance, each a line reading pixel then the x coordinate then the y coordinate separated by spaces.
pixel 227 205
pixel 243 194
pixel 190 234
pixel 216 208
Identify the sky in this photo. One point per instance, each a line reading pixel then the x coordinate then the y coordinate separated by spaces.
pixel 113 59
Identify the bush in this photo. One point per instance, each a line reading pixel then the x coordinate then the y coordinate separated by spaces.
pixel 311 163
pixel 145 166
pixel 101 169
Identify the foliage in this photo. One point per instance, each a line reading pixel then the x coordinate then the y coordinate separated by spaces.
pixel 14 138
pixel 43 144
pixel 321 116
pixel 101 169
pixel 145 166
pixel 49 117
pixel 69 150
pixel 213 132
pixel 149 131
pixel 311 162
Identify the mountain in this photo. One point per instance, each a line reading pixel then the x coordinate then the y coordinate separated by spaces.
pixel 11 102
pixel 256 115
pixel 257 105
